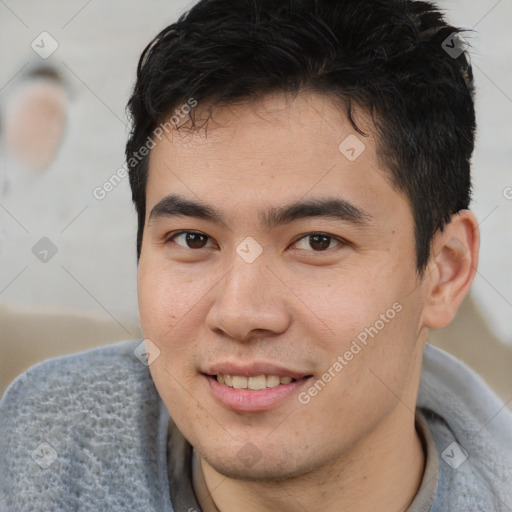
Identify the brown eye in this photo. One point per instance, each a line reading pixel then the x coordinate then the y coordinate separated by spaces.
pixel 318 242
pixel 190 239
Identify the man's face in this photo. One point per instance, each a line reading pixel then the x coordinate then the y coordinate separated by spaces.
pixel 330 299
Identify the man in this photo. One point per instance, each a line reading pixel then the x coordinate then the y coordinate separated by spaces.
pixel 301 176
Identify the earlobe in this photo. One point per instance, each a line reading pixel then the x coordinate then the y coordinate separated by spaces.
pixel 454 262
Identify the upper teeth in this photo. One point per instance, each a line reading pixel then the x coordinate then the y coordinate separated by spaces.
pixel 255 383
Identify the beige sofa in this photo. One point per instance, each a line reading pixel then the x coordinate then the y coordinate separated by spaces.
pixel 32 334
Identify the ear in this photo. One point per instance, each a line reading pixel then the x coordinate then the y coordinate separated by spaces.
pixel 452 269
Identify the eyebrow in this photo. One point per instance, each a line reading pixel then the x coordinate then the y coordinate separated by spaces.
pixel 331 207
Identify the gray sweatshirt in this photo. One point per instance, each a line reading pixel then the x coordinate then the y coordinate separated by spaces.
pixel 89 432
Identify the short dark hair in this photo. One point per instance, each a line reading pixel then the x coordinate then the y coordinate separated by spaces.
pixel 391 58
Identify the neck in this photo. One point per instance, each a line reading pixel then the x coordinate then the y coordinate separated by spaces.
pixel 384 473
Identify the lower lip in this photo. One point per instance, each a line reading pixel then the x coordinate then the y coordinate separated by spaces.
pixel 243 400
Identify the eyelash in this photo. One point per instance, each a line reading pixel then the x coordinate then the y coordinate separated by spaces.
pixel 341 241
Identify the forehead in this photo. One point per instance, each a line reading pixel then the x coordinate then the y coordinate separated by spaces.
pixel 270 152
pixel 315 118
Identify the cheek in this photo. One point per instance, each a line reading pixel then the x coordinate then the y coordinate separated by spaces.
pixel 172 309
pixel 345 306
pixel 373 321
pixel 367 369
pixel 165 312
pixel 164 297
pixel 153 292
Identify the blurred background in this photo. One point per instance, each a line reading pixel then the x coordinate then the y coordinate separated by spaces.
pixel 67 244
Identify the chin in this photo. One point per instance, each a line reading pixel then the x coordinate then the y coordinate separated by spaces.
pixel 265 465
pixel 258 473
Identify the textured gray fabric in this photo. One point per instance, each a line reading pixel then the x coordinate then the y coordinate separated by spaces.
pixel 100 412
pixel 459 407
pixel 104 432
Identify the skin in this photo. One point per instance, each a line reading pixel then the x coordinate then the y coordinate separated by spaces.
pixel 354 446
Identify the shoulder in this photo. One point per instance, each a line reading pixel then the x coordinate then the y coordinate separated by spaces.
pixel 79 425
pixel 68 382
pixel 472 429
pixel 461 397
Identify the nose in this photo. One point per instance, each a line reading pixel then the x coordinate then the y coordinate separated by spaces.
pixel 250 301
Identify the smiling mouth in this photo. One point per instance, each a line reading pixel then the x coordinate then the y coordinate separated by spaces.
pixel 254 383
